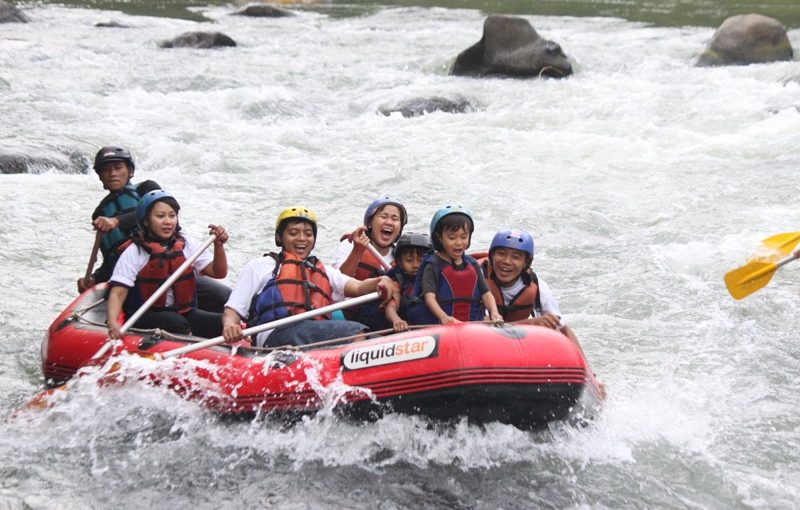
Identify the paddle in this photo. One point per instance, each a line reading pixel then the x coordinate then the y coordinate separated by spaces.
pixel 157 294
pixel 272 325
pixel 92 258
pixel 752 276
pixel 783 243
pixel 385 265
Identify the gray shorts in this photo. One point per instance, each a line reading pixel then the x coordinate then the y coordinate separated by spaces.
pixel 309 331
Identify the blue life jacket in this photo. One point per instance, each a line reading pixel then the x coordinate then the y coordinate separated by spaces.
pixel 407 297
pixel 457 291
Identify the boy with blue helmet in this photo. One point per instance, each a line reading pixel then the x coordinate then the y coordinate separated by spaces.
pixel 449 281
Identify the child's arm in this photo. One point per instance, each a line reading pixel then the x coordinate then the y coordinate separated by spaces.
pixel 436 310
pixel 491 306
pixel 398 324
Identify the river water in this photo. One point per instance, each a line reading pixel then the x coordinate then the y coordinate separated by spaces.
pixel 643 179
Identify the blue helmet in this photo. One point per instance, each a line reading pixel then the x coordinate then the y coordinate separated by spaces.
pixel 514 238
pixel 380 202
pixel 149 199
pixel 446 211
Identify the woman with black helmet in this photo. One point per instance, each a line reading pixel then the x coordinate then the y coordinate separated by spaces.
pixel 154 254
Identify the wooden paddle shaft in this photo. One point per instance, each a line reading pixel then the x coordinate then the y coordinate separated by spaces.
pixel 93 257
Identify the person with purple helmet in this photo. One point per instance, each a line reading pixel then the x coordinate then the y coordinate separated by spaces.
pixel 383 223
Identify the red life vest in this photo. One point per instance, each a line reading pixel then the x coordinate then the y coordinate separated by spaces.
pixel 164 260
pixel 458 293
pixel 523 304
pixel 298 285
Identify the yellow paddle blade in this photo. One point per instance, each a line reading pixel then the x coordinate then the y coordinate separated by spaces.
pixel 782 243
pixel 749 278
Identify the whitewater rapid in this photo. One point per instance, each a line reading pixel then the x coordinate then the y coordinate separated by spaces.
pixel 642 178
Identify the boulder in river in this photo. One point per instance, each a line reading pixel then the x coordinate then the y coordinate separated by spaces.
pixel 21 162
pixel 10 14
pixel 422 105
pixel 202 40
pixel 511 47
pixel 747 39
pixel 264 11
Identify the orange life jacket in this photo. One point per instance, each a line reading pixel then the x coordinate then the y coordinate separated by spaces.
pixel 521 306
pixel 368 267
pixel 298 285
pixel 164 260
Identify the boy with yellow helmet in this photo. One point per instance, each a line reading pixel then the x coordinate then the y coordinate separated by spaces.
pixel 290 282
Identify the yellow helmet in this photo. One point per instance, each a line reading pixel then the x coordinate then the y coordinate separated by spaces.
pixel 297 212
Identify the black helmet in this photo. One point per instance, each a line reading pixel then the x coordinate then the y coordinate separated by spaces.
pixel 412 240
pixel 113 153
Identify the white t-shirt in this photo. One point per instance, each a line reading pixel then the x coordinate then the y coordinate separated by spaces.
pixel 254 277
pixel 346 247
pixel 549 304
pixel 134 258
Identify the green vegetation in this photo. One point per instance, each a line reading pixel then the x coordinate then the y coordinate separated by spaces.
pixel 658 12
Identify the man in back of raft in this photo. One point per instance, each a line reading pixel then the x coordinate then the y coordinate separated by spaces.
pixel 293 281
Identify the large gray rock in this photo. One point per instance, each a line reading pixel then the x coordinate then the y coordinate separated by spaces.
pixel 422 105
pixel 10 14
pixel 44 161
pixel 264 11
pixel 747 39
pixel 201 40
pixel 511 47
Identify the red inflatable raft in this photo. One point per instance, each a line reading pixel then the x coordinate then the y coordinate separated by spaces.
pixel 525 376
